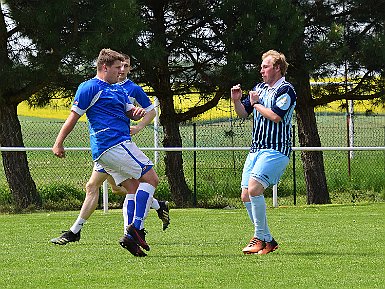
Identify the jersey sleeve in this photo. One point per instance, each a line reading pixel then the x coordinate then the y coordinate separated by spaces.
pixel 284 100
pixel 247 104
pixel 141 98
pixel 128 104
pixel 86 95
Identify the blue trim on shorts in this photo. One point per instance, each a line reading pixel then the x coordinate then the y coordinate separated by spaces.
pixel 102 170
pixel 145 168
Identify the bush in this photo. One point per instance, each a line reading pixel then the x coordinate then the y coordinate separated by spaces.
pixel 5 197
pixel 163 190
pixel 61 197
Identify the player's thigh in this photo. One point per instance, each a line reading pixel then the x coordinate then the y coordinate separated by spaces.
pixel 131 185
pixel 150 177
pixel 96 179
pixel 269 166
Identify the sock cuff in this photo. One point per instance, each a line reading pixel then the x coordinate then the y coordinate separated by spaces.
pixel 130 197
pixel 262 197
pixel 147 188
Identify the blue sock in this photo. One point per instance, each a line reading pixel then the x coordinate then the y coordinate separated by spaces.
pixel 258 207
pixel 128 210
pixel 143 201
pixel 249 211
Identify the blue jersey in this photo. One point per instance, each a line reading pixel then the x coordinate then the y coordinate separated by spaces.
pixel 105 106
pixel 136 95
pixel 281 99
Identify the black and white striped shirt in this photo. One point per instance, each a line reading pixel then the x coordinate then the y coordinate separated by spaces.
pixel 281 99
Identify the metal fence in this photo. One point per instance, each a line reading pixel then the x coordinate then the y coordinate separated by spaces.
pixel 217 171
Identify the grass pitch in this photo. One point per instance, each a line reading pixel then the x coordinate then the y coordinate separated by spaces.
pixel 335 246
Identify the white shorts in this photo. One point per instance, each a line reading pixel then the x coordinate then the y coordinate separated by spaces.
pixel 125 161
pixel 98 167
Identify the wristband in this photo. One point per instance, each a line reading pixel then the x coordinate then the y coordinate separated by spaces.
pixel 256 102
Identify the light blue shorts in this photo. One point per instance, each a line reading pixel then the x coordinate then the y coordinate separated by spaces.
pixel 266 166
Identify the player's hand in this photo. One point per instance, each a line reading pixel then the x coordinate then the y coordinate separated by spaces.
pixel 254 96
pixel 236 92
pixel 58 150
pixel 137 113
pixel 134 129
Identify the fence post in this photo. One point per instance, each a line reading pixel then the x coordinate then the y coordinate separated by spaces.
pixel 195 164
pixel 294 177
pixel 275 196
pixel 156 130
pixel 105 196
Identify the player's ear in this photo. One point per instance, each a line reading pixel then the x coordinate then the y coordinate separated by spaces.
pixel 277 67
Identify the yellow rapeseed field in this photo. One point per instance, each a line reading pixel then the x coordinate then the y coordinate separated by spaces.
pixel 60 111
pixel 222 110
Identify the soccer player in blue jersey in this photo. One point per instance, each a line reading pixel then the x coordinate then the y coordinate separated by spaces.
pixel 108 111
pixel 272 104
pixel 138 97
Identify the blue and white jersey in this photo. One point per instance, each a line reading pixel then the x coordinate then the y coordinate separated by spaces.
pixel 105 106
pixel 281 99
pixel 136 95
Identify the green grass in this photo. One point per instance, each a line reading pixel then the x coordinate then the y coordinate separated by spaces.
pixel 335 246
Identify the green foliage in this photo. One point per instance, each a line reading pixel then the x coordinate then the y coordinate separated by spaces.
pixel 58 192
pixel 319 248
pixel 66 36
pixel 5 197
pixel 163 190
pixel 61 196
pixel 246 33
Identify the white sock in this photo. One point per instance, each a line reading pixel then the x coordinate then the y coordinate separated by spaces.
pixel 155 204
pixel 78 225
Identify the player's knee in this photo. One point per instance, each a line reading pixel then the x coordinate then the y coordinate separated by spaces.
pixel 150 177
pixel 156 180
pixel 245 197
pixel 118 190
pixel 91 188
pixel 256 187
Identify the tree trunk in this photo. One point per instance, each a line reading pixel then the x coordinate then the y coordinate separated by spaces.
pixel 180 192
pixel 313 163
pixel 15 164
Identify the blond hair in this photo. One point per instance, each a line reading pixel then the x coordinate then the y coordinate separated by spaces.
pixel 108 57
pixel 279 59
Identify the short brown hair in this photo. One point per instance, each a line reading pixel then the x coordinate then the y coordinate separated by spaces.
pixel 279 59
pixel 108 57
pixel 126 56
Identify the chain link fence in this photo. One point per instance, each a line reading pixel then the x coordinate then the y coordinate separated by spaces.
pixel 218 172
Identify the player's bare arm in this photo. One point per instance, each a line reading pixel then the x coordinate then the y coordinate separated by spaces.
pixel 236 95
pixel 266 112
pixel 58 148
pixel 147 119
